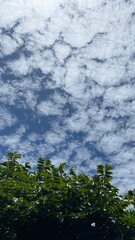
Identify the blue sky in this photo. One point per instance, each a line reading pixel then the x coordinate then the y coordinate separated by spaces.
pixel 67 83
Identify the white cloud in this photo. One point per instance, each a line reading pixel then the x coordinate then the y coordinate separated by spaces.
pixel 77 122
pixel 20 66
pixel 74 79
pixel 54 137
pixel 47 108
pixel 7 93
pixel 27 10
pixel 44 61
pixel 106 74
pixel 62 51
pixel 6 119
pixel 8 45
pixel 119 95
pixel 106 126
pixel 111 143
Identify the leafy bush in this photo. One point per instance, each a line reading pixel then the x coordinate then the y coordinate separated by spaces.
pixel 49 203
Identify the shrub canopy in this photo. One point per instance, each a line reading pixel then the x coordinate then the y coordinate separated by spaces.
pixel 49 203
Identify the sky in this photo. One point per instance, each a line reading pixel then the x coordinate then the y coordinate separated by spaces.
pixel 67 83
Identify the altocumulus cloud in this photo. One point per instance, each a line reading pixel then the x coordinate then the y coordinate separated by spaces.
pixel 67 83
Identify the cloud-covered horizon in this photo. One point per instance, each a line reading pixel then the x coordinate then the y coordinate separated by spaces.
pixel 67 83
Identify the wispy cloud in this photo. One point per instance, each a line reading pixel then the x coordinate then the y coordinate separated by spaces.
pixel 7 119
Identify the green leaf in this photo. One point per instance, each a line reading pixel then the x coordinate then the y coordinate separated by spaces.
pixel 13 156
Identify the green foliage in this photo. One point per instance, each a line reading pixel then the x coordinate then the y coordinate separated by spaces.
pixel 73 206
